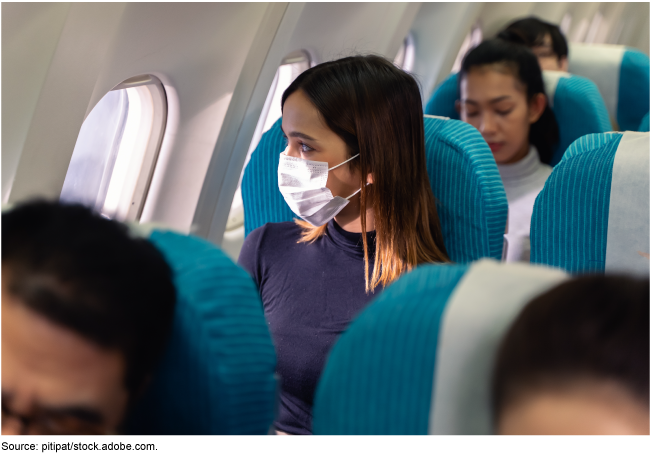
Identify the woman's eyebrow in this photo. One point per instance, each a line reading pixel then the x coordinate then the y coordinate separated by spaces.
pixel 299 135
pixel 499 99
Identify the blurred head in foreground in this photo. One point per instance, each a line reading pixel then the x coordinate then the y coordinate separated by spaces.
pixel 545 40
pixel 86 312
pixel 575 362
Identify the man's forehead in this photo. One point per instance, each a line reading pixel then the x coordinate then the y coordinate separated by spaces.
pixel 42 358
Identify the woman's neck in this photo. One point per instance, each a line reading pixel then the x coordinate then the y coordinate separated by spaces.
pixel 349 219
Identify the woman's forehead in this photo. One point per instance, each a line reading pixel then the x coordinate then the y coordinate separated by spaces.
pixel 300 115
pixel 489 82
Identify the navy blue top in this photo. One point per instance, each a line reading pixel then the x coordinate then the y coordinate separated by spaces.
pixel 311 293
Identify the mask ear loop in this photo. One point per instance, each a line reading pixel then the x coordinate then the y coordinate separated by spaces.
pixel 339 165
pixel 355 193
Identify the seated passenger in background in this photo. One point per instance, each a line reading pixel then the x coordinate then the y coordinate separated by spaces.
pixel 502 95
pixel 575 362
pixel 86 313
pixel 545 40
pixel 354 169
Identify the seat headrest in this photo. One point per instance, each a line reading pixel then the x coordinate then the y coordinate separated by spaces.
pixel 418 359
pixel 471 201
pixel 592 215
pixel 217 375
pixel 578 107
pixel 622 75
pixel 644 126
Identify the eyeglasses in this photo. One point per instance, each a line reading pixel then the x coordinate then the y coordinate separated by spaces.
pixel 42 422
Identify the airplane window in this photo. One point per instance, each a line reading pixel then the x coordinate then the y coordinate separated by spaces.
pixel 113 159
pixel 473 39
pixel 405 58
pixel 290 68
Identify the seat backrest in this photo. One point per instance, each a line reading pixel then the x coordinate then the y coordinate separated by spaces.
pixel 217 375
pixel 592 215
pixel 578 107
pixel 418 359
pixel 471 201
pixel 644 126
pixel 622 75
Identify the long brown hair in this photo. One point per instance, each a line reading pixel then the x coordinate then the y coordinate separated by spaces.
pixel 377 110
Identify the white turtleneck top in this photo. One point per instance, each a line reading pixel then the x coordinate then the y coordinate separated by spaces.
pixel 522 181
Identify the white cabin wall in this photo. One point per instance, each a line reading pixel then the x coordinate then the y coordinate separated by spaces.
pixel 495 16
pixel 327 31
pixel 438 31
pixel 62 100
pixel 30 33
pixel 552 12
pixel 198 51
pixel 635 31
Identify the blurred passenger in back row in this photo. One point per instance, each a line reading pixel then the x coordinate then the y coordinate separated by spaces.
pixel 575 362
pixel 355 171
pixel 502 95
pixel 545 40
pixel 86 313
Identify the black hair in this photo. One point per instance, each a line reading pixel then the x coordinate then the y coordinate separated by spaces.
pixel 85 273
pixel 544 133
pixel 531 31
pixel 592 327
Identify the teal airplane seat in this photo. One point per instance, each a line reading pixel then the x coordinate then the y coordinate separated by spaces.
pixel 622 75
pixel 217 375
pixel 418 359
pixel 471 201
pixel 592 215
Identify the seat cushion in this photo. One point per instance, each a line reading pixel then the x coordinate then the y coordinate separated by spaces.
pixel 634 90
pixel 217 375
pixel 418 359
pixel 471 200
pixel 569 223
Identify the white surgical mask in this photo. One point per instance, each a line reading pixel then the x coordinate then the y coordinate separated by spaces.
pixel 302 184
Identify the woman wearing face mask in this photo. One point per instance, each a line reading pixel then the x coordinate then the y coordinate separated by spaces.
pixel 354 170
pixel 502 95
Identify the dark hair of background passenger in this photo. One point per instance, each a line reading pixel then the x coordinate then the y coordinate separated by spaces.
pixel 523 65
pixel 591 326
pixel 531 31
pixel 376 108
pixel 85 273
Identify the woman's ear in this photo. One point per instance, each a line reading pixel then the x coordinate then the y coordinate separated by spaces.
pixel 536 107
pixel 369 179
pixel 457 106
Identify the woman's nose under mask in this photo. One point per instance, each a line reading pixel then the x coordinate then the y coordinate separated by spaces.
pixel 302 184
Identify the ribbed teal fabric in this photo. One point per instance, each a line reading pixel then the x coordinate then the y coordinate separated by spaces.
pixel 443 100
pixel 471 200
pixel 633 90
pixel 379 376
pixel 217 374
pixel 263 201
pixel 579 109
pixel 472 204
pixel 644 126
pixel 569 224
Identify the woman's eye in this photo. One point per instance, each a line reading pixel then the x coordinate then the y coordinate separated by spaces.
pixel 305 148
pixel 471 114
pixel 504 112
